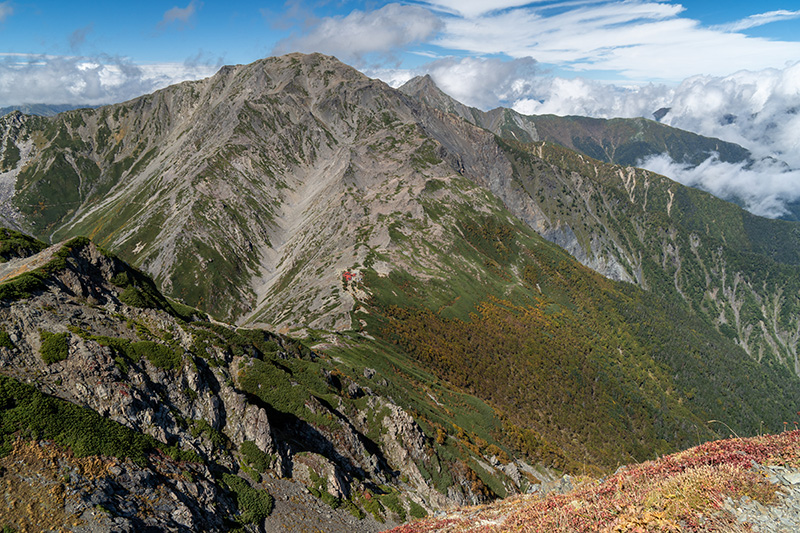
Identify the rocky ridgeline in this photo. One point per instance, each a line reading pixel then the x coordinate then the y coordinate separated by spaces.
pixel 82 326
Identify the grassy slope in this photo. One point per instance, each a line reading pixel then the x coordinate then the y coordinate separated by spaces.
pixel 735 270
pixel 680 492
pixel 602 370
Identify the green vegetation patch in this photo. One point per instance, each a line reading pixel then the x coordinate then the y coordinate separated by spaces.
pixel 416 510
pixel 373 506
pixel 161 355
pixel 26 412
pixel 254 504
pixel 392 502
pixel 272 384
pixel 15 244
pixel 425 155
pixel 138 290
pixel 5 340
pixel 217 438
pixel 253 456
pixel 238 342
pixel 11 156
pixel 24 285
pixel 54 346
pixel 319 488
pixel 185 312
pixel 49 190
pixel 135 297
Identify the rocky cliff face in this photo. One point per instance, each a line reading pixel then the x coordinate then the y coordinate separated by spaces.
pixel 95 333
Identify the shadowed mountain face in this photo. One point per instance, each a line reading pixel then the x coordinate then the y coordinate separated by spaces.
pixel 297 193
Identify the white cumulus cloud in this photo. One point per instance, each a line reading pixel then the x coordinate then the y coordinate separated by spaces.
pixel 764 188
pixel 359 34
pixel 26 79
pixel 639 40
pixel 6 10
pixel 180 15
pixel 759 110
pixel 759 19
pixel 580 96
pixel 483 82
pixel 474 8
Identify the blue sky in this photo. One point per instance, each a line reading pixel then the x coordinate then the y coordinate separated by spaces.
pixel 622 41
pixel 244 31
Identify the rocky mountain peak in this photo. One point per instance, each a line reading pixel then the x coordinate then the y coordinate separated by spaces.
pixel 425 89
pixel 420 84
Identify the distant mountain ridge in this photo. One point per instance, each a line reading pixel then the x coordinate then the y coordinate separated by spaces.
pixel 42 110
pixel 623 141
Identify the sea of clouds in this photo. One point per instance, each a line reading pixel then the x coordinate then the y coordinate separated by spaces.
pixel 34 79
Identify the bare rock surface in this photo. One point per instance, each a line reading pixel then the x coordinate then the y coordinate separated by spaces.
pixel 179 383
pixel 780 517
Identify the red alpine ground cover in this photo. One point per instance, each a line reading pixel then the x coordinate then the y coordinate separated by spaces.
pixel 680 492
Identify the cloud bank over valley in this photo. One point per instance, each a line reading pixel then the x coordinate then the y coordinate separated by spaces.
pixel 97 80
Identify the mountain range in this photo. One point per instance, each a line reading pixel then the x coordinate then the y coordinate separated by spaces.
pixel 426 304
pixel 44 110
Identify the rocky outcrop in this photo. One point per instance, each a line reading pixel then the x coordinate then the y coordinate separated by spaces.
pixel 106 494
pixel 185 383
